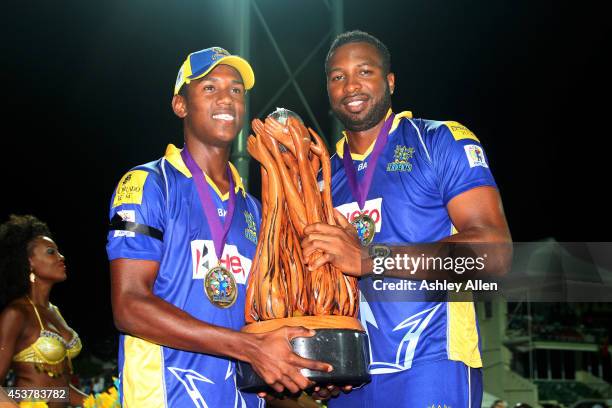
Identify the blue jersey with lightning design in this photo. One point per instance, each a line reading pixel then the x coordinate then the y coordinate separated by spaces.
pixel 163 196
pixel 422 167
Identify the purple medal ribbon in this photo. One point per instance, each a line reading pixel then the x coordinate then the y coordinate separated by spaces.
pixel 360 190
pixel 219 232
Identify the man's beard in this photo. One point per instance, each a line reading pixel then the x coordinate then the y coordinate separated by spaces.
pixel 372 118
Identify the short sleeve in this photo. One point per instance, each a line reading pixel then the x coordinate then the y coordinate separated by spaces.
pixel 458 159
pixel 138 198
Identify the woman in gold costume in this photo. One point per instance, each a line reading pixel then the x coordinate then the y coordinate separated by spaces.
pixel 35 340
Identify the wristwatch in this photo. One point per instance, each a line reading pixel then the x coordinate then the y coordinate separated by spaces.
pixel 378 253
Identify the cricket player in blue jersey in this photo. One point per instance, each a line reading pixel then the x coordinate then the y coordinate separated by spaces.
pixel 404 180
pixel 182 237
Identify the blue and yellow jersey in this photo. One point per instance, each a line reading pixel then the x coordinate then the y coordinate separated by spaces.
pixel 163 196
pixel 423 166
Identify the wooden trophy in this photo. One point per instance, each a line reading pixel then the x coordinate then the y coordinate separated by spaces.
pixel 281 291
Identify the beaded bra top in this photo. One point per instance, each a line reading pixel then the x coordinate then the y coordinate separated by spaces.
pixel 50 349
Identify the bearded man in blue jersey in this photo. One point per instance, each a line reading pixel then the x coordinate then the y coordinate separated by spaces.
pixel 182 238
pixel 406 180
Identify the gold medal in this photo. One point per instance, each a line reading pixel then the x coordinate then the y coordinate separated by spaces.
pixel 366 228
pixel 220 287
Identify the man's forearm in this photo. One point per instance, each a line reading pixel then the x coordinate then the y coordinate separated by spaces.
pixel 157 321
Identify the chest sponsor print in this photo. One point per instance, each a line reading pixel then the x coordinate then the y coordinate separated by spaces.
pixel 372 208
pixel 203 258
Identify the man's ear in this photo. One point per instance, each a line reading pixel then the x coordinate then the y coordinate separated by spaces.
pixel 391 82
pixel 179 106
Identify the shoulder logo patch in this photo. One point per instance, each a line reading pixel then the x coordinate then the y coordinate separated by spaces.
pixel 401 159
pixel 126 215
pixel 475 156
pixel 129 190
pixel 460 132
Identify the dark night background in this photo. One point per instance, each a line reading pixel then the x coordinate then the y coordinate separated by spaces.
pixel 87 89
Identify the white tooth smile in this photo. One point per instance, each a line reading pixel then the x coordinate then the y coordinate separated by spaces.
pixel 355 103
pixel 223 116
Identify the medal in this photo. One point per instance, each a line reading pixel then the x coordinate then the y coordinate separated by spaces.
pixel 366 228
pixel 219 284
pixel 363 223
pixel 220 287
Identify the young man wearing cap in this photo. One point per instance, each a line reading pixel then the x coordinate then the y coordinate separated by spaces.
pixel 413 181
pixel 182 237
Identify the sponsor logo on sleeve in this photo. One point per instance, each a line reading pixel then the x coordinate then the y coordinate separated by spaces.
pixel 475 156
pixel 126 215
pixel 129 190
pixel 203 258
pixel 372 208
pixel 460 132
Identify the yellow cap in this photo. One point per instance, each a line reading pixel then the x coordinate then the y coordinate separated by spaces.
pixel 200 63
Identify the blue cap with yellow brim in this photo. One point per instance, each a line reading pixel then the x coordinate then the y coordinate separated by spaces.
pixel 200 63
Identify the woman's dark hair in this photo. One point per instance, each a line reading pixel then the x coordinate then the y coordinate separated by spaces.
pixel 16 234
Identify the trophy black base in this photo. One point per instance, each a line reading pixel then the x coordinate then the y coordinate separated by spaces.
pixel 346 350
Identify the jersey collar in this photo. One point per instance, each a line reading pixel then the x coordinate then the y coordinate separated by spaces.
pixel 361 157
pixel 173 156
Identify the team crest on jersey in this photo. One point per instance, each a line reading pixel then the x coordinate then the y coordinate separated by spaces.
pixel 401 159
pixel 372 208
pixel 203 258
pixel 475 156
pixel 250 232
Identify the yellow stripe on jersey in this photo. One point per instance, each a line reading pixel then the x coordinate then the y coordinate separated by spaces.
pixel 462 332
pixel 398 117
pixel 361 157
pixel 142 377
pixel 460 132
pixel 173 156
pixel 462 341
pixel 129 189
